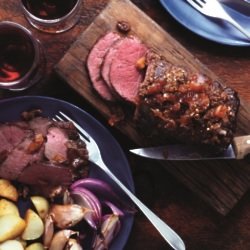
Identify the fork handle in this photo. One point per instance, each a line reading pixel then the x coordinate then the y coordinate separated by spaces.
pixel 229 19
pixel 167 233
pixel 239 27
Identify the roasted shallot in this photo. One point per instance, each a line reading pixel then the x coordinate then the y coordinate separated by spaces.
pixel 85 198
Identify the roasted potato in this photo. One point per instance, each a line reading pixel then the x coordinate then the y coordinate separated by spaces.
pixel 41 205
pixel 34 226
pixel 11 245
pixel 7 190
pixel 11 226
pixel 35 246
pixel 8 207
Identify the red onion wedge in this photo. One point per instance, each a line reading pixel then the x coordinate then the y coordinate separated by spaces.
pixel 114 209
pixel 87 199
pixel 103 191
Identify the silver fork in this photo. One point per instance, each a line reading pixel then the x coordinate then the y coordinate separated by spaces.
pixel 213 8
pixel 167 233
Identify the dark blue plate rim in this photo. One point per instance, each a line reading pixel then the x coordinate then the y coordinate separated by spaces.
pixel 11 108
pixel 209 28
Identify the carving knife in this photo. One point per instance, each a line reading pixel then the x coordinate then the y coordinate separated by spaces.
pixel 239 149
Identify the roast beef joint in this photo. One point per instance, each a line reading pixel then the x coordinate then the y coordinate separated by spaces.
pixel 188 107
pixel 171 103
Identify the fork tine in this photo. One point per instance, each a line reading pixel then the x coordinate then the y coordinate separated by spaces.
pixel 58 118
pixel 195 4
pixel 213 8
pixel 79 128
pixel 81 135
pixel 200 2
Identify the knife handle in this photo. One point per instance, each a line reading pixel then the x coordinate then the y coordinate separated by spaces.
pixel 241 146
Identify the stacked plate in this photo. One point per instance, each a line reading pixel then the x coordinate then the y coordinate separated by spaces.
pixel 213 29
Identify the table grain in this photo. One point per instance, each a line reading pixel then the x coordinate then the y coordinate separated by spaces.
pixel 197 223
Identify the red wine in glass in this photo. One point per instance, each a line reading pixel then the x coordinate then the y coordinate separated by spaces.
pixel 22 58
pixel 49 9
pixel 16 54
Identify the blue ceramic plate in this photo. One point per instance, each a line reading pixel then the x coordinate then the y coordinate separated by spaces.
pixel 113 155
pixel 210 28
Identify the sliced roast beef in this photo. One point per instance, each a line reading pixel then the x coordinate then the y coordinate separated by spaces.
pixel 19 158
pixel 94 63
pixel 14 164
pixel 56 145
pixel 42 151
pixel 68 128
pixel 185 106
pixel 47 174
pixel 11 135
pixel 124 74
pixel 107 61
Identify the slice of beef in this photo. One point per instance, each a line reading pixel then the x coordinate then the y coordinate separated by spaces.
pixel 107 61
pixel 185 106
pixel 94 62
pixel 68 128
pixel 124 74
pixel 11 135
pixel 56 145
pixel 19 158
pixel 46 174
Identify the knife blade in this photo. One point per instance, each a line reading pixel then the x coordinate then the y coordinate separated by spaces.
pixel 173 152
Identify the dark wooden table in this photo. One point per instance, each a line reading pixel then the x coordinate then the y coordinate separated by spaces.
pixel 197 223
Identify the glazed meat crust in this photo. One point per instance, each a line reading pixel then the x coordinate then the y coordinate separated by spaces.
pixel 185 106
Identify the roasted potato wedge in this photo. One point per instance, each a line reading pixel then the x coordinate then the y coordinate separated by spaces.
pixel 7 190
pixel 23 242
pixel 41 204
pixel 8 207
pixel 11 226
pixel 35 246
pixel 11 245
pixel 34 226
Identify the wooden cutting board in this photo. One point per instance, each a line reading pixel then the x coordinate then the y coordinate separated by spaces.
pixel 220 183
